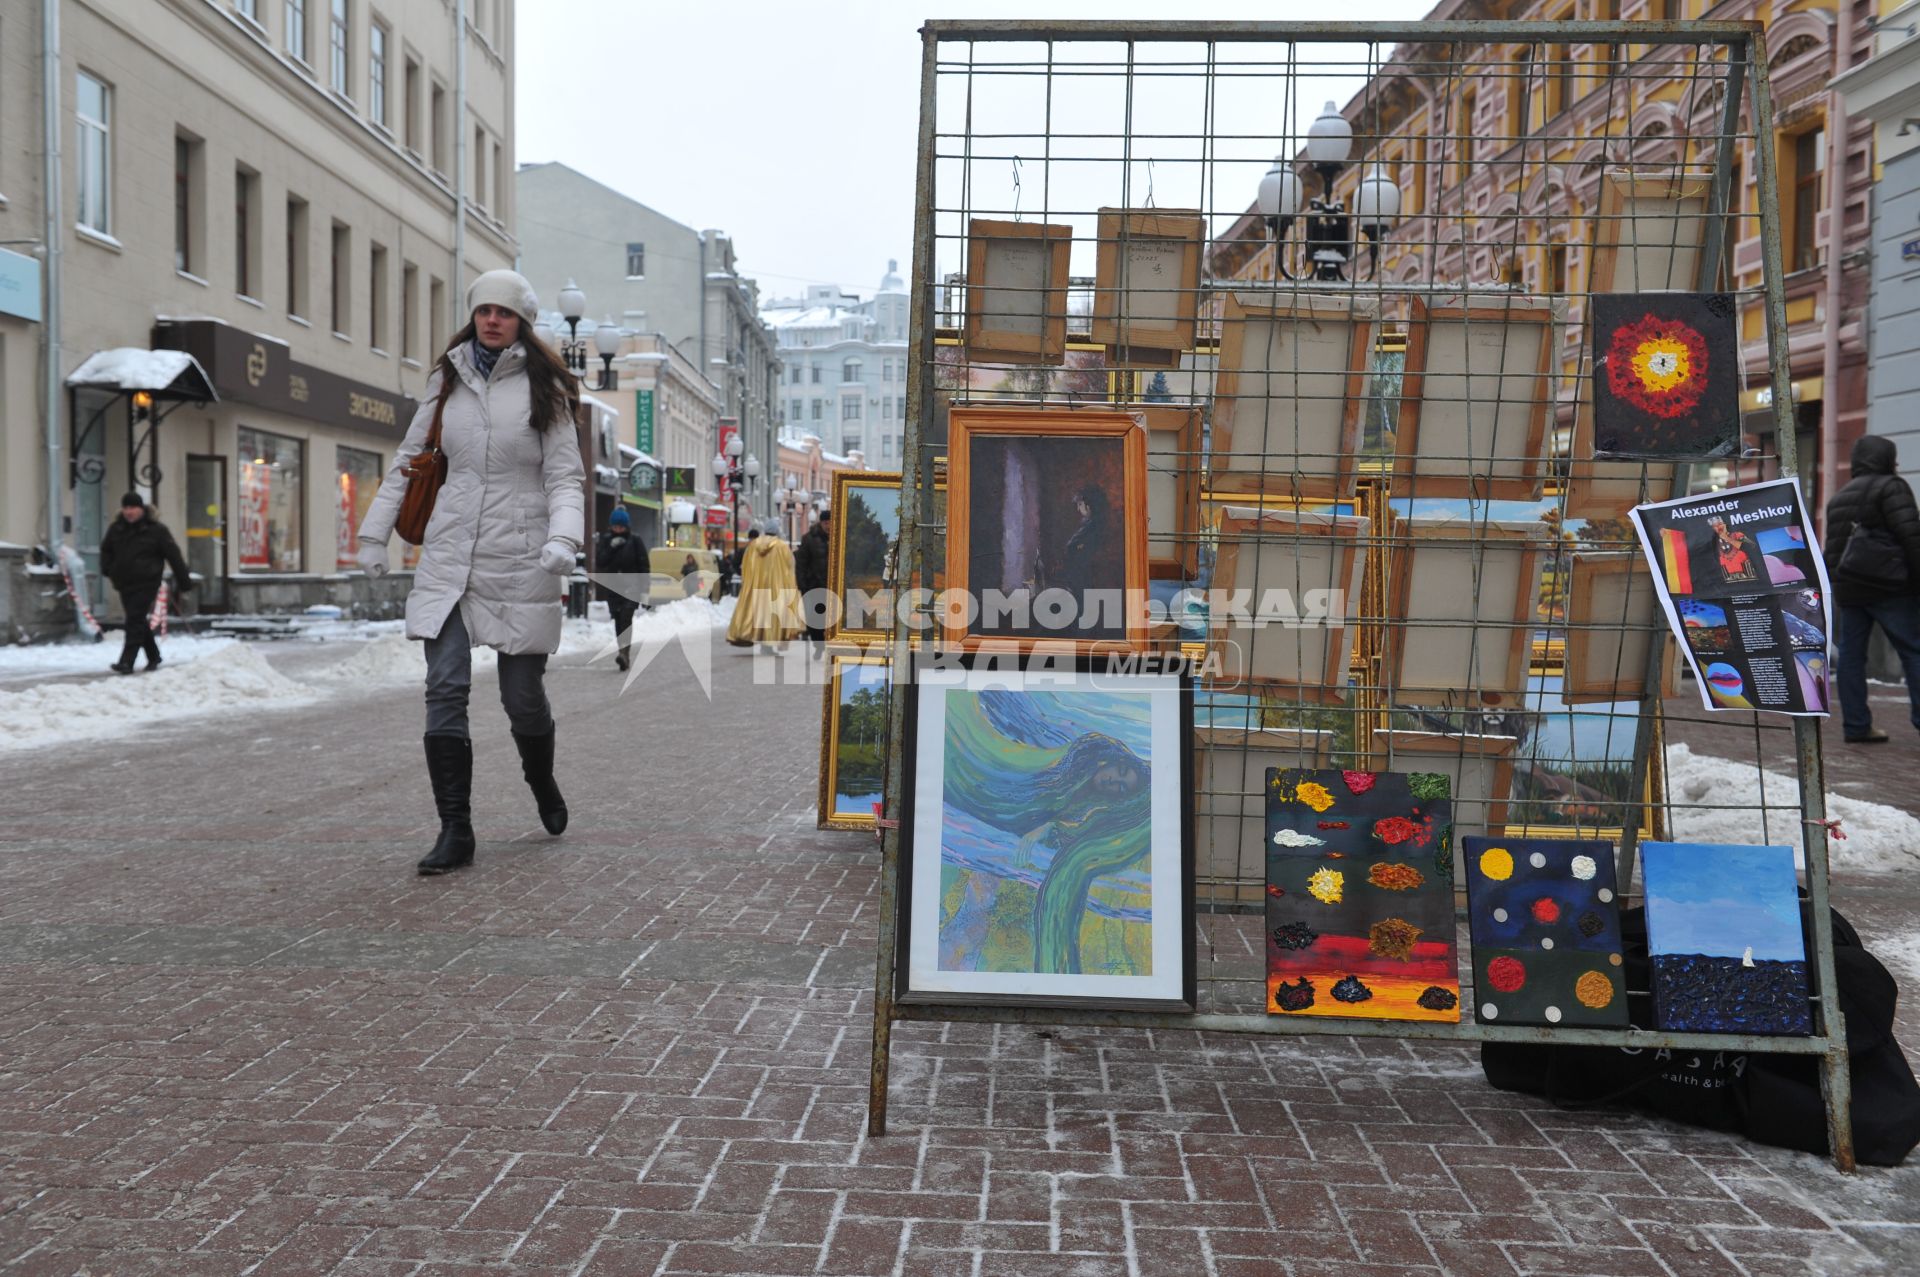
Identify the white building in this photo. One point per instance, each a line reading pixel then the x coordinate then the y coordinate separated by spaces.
pixel 844 368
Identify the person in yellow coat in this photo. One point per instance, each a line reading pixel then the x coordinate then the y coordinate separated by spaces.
pixel 769 606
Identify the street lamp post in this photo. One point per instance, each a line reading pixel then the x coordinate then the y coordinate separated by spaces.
pixel 573 350
pixel 1328 248
pixel 738 474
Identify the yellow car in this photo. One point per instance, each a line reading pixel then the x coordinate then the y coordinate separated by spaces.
pixel 669 563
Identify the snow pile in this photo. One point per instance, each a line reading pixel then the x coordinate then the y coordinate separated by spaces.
pixel 26 662
pixel 1901 953
pixel 1879 838
pixel 594 638
pixel 392 658
pixel 232 678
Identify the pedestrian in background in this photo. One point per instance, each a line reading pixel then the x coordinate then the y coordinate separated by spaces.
pixel 505 529
pixel 1873 559
pixel 690 577
pixel 769 608
pixel 134 555
pixel 619 552
pixel 810 574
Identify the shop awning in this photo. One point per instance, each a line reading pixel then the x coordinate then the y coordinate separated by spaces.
pixel 171 374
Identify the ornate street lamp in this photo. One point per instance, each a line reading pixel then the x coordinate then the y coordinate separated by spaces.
pixel 1327 248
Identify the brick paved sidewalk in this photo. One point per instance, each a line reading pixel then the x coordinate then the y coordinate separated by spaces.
pixel 237 1035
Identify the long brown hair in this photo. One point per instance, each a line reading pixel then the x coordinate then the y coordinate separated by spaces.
pixel 552 389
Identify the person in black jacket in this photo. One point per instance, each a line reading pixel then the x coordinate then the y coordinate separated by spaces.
pixel 810 574
pixel 619 552
pixel 1880 588
pixel 134 555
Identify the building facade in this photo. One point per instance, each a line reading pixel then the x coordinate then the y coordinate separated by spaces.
pixel 295 192
pixel 1500 170
pixel 844 367
pixel 643 272
pixel 670 413
pixel 803 481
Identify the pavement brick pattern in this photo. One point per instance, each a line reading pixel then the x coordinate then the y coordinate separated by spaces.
pixel 238 1036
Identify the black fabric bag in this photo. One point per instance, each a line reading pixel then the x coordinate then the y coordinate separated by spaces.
pixel 1770 1098
pixel 1872 558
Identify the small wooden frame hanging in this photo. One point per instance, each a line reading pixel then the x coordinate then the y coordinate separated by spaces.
pixel 1173 489
pixel 1462 636
pixel 1312 563
pixel 1476 398
pixel 1613 611
pixel 1292 383
pixel 1017 291
pixel 1650 233
pixel 1608 489
pixel 1147 282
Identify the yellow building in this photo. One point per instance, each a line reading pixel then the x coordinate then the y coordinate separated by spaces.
pixel 1500 150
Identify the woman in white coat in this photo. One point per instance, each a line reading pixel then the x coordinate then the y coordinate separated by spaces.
pixel 505 529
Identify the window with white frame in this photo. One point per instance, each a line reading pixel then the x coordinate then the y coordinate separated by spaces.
pixel 295 14
pixel 377 73
pixel 248 9
pixel 337 43
pixel 93 114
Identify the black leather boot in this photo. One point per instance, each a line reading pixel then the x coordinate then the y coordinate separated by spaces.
pixel 450 768
pixel 536 764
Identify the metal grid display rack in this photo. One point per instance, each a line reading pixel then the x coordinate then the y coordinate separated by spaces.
pixel 1515 149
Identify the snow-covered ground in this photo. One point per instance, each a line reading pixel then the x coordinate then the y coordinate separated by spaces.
pixel 205 676
pixel 1722 804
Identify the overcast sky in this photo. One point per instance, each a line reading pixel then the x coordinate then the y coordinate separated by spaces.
pixel 792 126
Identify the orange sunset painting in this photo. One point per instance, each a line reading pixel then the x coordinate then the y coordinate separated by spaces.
pixel 1360 920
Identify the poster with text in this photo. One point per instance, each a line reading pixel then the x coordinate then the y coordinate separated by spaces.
pixel 1744 588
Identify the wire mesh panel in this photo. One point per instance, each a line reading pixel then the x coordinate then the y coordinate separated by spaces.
pixel 1363 345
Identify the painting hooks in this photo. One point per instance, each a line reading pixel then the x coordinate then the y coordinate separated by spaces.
pixel 1016 188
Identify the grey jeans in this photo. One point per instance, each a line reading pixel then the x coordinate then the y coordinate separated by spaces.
pixel 523 688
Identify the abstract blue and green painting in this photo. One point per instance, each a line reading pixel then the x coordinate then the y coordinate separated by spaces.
pixel 1046 836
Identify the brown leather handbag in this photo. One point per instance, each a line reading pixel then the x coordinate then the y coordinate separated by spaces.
pixel 425 472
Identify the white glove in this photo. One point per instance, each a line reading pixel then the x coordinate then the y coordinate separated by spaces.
pixel 373 558
pixel 556 556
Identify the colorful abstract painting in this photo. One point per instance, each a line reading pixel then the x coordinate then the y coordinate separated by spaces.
pixel 1360 895
pixel 1546 932
pixel 1724 933
pixel 1667 377
pixel 1049 835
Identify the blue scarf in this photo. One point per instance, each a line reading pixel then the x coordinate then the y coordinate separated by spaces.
pixel 484 359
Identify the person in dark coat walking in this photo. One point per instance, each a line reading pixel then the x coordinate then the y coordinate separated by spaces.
pixel 810 573
pixel 620 552
pixel 1878 588
pixel 134 555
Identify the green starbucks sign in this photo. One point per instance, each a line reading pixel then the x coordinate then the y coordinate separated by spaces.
pixel 643 420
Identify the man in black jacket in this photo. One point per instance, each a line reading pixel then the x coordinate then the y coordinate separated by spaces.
pixel 810 574
pixel 134 555
pixel 1881 587
pixel 619 552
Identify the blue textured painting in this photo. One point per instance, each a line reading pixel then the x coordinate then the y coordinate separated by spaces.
pixel 1724 935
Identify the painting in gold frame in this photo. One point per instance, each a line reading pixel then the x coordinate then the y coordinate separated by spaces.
pixel 871 500
pixel 1146 291
pixel 1461 635
pixel 1476 398
pixel 1650 233
pixel 853 740
pixel 1613 612
pixel 1298 554
pixel 1173 484
pixel 1292 384
pixel 1044 499
pixel 1016 299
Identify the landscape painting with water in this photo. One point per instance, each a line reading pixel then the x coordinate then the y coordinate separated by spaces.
pixel 1724 932
pixel 1048 836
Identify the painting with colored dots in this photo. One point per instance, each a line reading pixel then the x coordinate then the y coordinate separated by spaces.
pixel 1545 922
pixel 1724 934
pixel 1360 895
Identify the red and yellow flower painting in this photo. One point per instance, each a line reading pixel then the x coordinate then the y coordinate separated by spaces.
pixel 1665 381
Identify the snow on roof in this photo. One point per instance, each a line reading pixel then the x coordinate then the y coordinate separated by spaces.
pixel 131 368
pixel 631 456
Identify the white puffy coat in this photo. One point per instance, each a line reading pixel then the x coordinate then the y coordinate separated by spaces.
pixel 509 489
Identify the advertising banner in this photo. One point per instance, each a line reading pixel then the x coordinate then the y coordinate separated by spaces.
pixel 256 490
pixel 1743 585
pixel 643 420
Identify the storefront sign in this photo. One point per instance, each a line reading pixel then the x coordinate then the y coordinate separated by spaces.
pixel 729 427
pixel 256 489
pixel 19 285
pixel 643 420
pixel 251 369
pixel 680 480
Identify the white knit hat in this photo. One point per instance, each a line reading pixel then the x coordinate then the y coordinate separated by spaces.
pixel 507 288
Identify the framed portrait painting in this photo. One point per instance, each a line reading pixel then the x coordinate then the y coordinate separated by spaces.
pixel 1016 296
pixel 1046 850
pixel 1047 529
pixel 1147 280
pixel 853 741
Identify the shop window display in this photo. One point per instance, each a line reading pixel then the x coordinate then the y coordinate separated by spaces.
pixel 271 534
